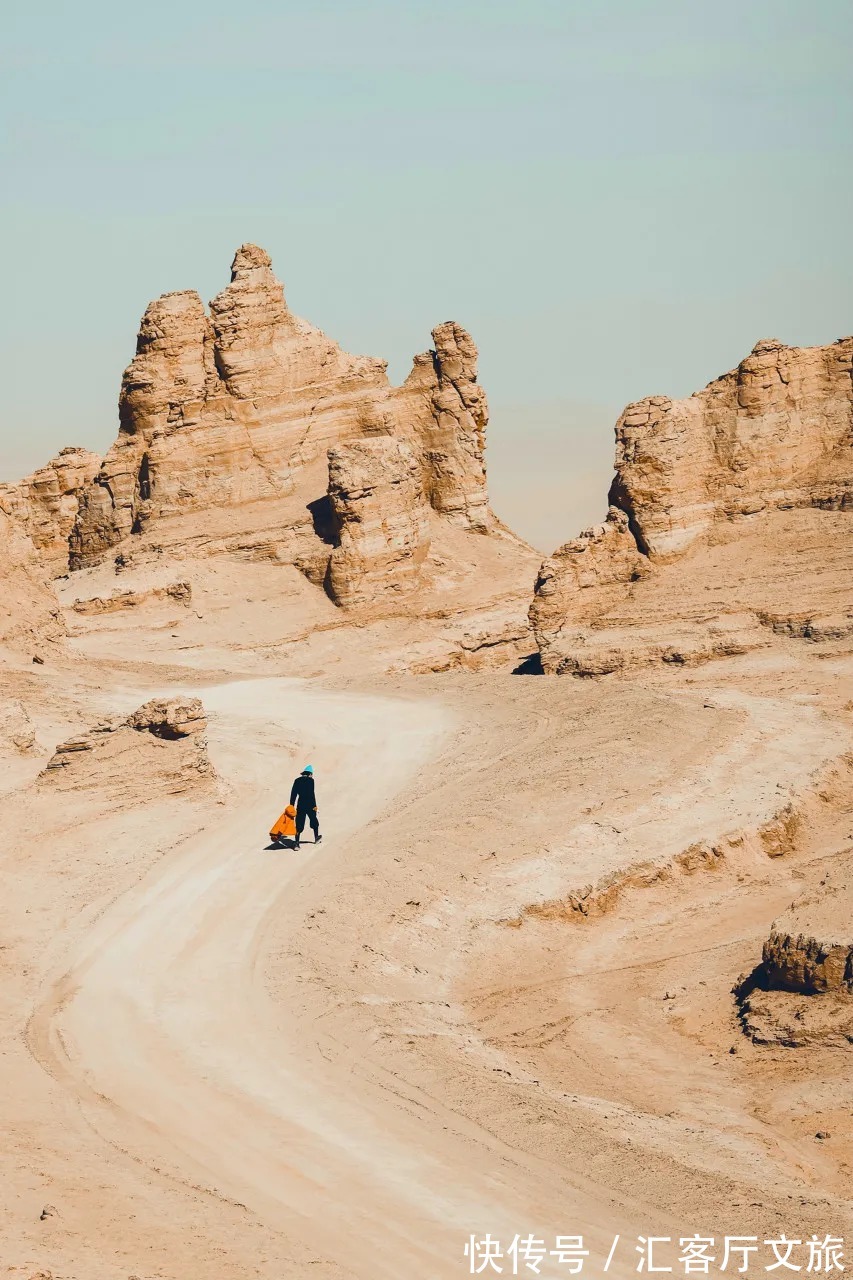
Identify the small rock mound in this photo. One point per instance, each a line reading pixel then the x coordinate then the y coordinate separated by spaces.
pixel 174 592
pixel 810 948
pixel 160 748
pixel 803 989
pixel 170 718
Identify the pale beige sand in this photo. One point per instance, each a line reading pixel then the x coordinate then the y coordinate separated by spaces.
pixel 227 1061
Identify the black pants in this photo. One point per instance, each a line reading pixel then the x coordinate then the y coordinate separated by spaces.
pixel 311 815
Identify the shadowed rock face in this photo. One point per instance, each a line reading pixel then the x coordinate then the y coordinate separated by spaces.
pixel 225 409
pixel 731 522
pixel 803 992
pixel 810 947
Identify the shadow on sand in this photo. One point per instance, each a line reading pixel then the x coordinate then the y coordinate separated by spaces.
pixel 286 843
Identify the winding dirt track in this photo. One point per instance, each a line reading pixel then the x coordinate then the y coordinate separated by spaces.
pixel 162 1028
pixel 160 1024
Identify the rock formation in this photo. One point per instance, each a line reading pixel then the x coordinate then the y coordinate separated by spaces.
pixel 715 499
pixel 170 718
pixel 224 410
pixel 380 510
pixel 810 947
pixel 29 610
pixel 220 410
pixel 46 503
pixel 118 601
pixel 444 411
pixel 161 747
pixel 776 431
pixel 802 992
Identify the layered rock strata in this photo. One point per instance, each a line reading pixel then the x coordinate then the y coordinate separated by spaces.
pixel 803 989
pixel 228 409
pixel 443 410
pixel 810 947
pixel 715 502
pixel 161 747
pixel 46 502
pixel 776 431
pixel 381 516
pixel 176 592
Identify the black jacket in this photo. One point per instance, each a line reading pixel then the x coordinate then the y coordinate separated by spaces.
pixel 302 792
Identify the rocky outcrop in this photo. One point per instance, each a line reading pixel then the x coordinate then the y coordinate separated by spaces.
pixel 584 621
pixel 576 585
pixel 29 610
pixel 381 515
pixel 725 507
pixel 119 601
pixel 221 409
pixel 797 1021
pixel 802 992
pixel 160 748
pixel 227 409
pixel 777 431
pixel 444 410
pixel 810 947
pixel 46 503
pixel 170 718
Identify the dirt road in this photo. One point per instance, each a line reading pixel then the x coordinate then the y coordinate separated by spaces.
pixel 343 1059
pixel 161 1026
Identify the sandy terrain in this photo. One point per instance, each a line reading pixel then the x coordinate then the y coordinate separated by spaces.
pixel 574 958
pixel 498 997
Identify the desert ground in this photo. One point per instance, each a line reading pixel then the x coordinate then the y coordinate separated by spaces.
pixel 224 1059
pixel 574 956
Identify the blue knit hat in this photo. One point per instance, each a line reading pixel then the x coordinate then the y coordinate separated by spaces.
pixel 309 768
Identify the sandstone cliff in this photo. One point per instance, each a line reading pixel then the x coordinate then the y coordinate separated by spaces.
pixel 220 409
pixel 378 504
pixel 731 523
pixel 227 410
pixel 46 503
pixel 774 432
pixel 444 411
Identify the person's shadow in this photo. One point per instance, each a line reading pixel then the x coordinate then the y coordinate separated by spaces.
pixel 286 842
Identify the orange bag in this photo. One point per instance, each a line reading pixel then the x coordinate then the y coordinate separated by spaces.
pixel 286 825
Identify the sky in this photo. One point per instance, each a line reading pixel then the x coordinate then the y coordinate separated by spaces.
pixel 616 197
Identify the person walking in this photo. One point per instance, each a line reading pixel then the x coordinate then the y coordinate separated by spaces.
pixel 302 794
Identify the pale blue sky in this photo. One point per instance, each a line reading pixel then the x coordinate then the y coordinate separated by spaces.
pixel 616 197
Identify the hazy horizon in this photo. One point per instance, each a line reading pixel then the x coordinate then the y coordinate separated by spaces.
pixel 615 200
